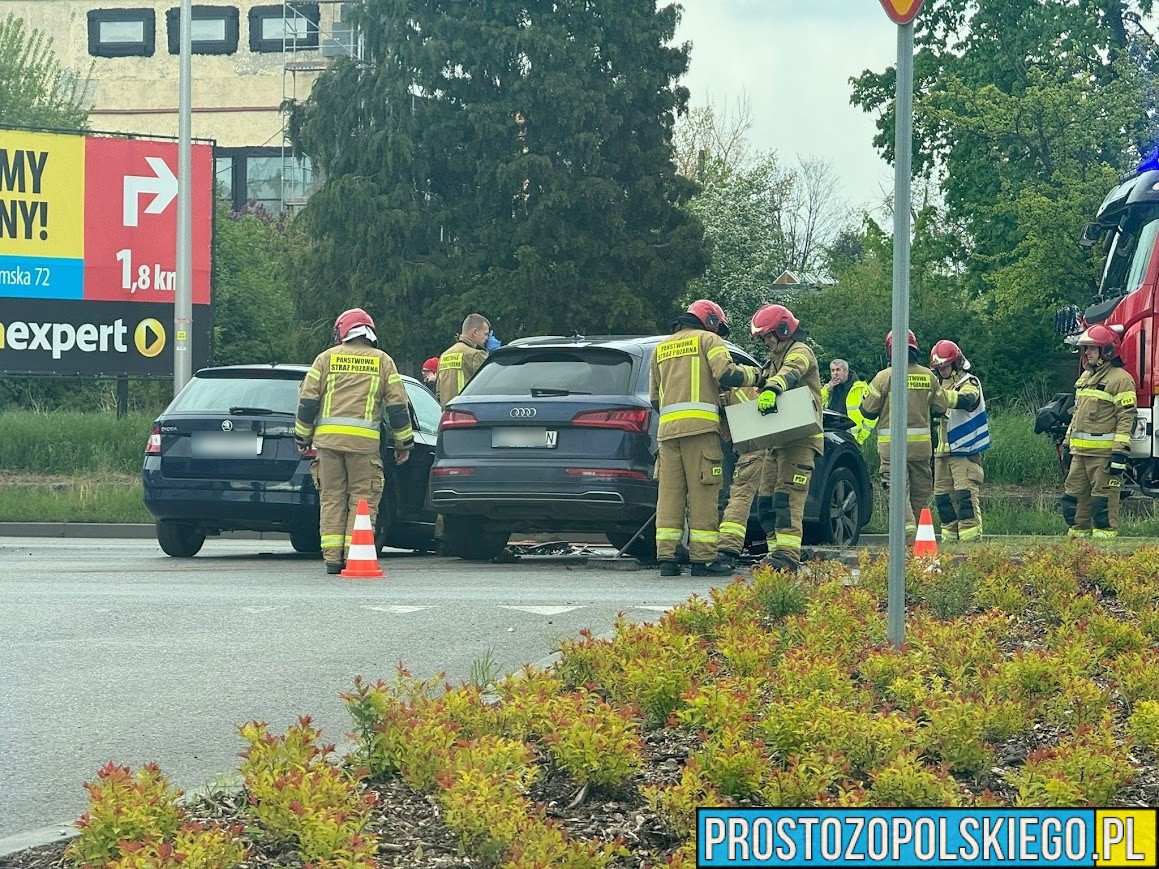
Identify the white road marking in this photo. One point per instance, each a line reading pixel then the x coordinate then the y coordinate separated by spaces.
pixel 659 609
pixel 543 610
pixel 263 609
pixel 396 609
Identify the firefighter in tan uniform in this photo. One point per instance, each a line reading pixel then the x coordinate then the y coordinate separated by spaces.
pixel 789 467
pixel 340 405
pixel 688 372
pixel 1098 437
pixel 746 480
pixel 925 402
pixel 463 359
pixel 963 435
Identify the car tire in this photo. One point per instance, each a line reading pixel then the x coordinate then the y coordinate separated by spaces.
pixel 468 537
pixel 643 547
pixel 840 510
pixel 307 540
pixel 179 539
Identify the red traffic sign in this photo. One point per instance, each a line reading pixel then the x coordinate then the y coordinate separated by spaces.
pixel 901 11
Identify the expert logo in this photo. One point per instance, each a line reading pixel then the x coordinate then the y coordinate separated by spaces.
pixel 59 338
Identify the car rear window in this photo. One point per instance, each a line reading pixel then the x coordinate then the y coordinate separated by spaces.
pixel 219 394
pixel 587 371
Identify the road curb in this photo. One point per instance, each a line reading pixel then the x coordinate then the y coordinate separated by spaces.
pixel 17 842
pixel 113 531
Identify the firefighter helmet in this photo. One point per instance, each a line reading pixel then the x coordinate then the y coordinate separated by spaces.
pixel 774 320
pixel 354 323
pixel 946 352
pixel 911 340
pixel 711 316
pixel 1104 337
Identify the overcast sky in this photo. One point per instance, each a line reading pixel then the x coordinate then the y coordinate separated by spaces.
pixel 794 59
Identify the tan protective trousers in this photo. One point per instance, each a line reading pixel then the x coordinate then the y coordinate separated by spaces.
pixel 784 487
pixel 957 487
pixel 746 480
pixel 690 471
pixel 1090 500
pixel 342 480
pixel 920 485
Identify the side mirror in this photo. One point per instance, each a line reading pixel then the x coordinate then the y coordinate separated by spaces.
pixel 1090 236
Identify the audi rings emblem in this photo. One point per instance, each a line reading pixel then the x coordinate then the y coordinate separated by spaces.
pixel 523 412
pixel 226 425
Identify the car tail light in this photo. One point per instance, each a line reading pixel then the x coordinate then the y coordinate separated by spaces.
pixel 635 420
pixel 153 445
pixel 310 453
pixel 452 472
pixel 606 473
pixel 457 419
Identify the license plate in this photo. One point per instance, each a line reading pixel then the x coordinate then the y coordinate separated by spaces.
pixel 538 438
pixel 220 445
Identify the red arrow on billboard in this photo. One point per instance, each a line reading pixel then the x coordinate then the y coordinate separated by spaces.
pixel 901 11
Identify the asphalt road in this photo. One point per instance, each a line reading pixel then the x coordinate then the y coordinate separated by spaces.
pixel 109 650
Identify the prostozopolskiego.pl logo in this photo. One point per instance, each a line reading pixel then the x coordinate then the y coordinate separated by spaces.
pixel 58 338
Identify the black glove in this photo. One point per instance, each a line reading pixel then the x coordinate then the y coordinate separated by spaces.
pixel 302 444
pixel 1117 464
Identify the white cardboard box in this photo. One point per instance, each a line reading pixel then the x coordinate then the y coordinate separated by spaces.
pixel 798 415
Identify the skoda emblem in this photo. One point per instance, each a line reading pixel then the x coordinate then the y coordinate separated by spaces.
pixel 523 412
pixel 226 425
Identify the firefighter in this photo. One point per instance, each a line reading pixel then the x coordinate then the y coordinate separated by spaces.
pixel 340 405
pixel 464 358
pixel 746 480
pixel 963 435
pixel 431 373
pixel 688 372
pixel 1098 437
pixel 787 468
pixel 925 403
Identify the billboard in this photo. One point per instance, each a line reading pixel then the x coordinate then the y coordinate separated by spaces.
pixel 88 254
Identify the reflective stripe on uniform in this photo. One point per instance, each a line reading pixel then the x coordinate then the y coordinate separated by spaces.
pixel 1097 394
pixel 348 420
pixel 669 533
pixel 1081 440
pixel 331 541
pixel 716 351
pixel 970 533
pixel 788 541
pixel 313 374
pixel 346 430
pixel 1079 532
pixel 1103 533
pixel 689 410
pixel 734 528
pixel 915 434
pixel 695 536
pixel 1125 399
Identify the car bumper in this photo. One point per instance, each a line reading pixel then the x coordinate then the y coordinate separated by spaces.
pixel 232 506
pixel 544 498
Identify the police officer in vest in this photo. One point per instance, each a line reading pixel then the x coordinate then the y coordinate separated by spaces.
pixel 340 405
pixel 963 435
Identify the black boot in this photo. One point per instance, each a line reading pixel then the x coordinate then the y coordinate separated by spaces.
pixel 722 566
pixel 780 561
pixel 669 568
pixel 333 567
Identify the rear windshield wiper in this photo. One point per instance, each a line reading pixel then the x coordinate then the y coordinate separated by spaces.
pixel 255 411
pixel 542 391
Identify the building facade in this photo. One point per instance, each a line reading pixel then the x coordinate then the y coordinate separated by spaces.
pixel 249 56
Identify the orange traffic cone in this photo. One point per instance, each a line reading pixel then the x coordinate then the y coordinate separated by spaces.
pixel 362 560
pixel 926 546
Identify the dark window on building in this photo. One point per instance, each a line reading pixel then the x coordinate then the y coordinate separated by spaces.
pixel 122 32
pixel 214 29
pixel 292 27
pixel 249 177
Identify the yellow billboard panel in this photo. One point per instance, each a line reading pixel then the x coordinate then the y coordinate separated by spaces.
pixel 42 194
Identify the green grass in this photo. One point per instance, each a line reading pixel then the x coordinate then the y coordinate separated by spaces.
pixel 89 498
pixel 72 443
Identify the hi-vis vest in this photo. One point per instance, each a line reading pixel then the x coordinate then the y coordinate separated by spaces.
pixel 967 432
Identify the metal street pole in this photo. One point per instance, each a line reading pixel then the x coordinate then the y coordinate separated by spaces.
pixel 183 300
pixel 898 398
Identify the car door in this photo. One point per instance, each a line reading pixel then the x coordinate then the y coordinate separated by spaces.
pixel 412 476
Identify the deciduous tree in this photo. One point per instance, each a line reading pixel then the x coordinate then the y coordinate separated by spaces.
pixel 34 90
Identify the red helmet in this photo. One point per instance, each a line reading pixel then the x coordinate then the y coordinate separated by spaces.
pixel 350 320
pixel 774 319
pixel 711 316
pixel 947 352
pixel 911 340
pixel 431 364
pixel 1104 337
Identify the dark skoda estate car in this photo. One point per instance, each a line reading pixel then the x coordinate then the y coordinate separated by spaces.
pixel 222 458
pixel 557 435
